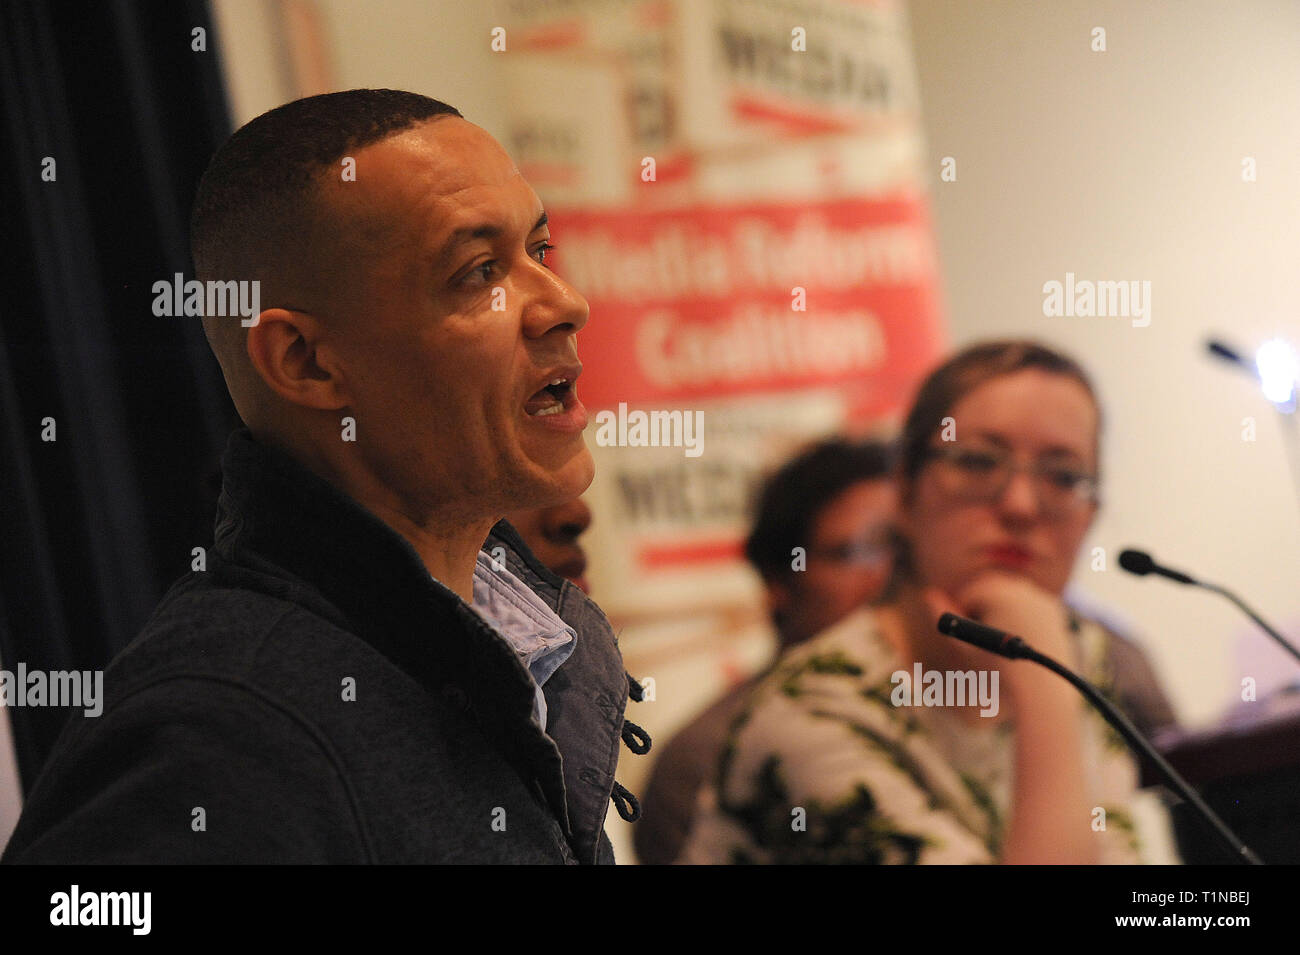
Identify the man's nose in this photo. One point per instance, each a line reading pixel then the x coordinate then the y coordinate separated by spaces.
pixel 568 521
pixel 552 303
pixel 868 584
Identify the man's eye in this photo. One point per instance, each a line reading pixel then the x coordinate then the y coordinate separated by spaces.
pixel 976 461
pixel 488 271
pixel 479 274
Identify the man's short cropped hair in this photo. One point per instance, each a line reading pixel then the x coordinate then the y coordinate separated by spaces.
pixel 256 201
pixel 795 495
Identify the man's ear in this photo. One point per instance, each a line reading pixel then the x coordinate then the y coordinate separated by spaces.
pixel 285 348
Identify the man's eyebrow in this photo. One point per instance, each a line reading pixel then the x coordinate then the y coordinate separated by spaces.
pixel 469 233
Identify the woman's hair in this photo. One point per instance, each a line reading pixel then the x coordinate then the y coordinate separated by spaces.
pixel 961 374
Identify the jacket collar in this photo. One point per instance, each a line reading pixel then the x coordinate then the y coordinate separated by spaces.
pixel 284 530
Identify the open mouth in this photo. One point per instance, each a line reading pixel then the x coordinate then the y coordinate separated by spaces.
pixel 551 399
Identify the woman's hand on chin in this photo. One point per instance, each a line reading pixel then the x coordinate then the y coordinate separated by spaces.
pixel 1018 606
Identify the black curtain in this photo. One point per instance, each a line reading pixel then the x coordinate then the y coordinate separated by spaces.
pixel 99 521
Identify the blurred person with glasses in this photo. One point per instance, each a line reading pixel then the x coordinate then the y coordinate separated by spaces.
pixel 882 741
pixel 822 543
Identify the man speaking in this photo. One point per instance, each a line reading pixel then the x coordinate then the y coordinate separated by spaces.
pixel 371 668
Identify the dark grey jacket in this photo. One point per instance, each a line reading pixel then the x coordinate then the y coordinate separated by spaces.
pixel 227 735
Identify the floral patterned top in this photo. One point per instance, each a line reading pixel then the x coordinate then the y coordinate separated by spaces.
pixel 822 767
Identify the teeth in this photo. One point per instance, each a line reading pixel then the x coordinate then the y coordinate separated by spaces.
pixel 555 404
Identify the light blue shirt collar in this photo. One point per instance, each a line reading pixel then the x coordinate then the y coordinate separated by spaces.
pixel 536 633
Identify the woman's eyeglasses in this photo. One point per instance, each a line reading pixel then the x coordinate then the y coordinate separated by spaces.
pixel 982 474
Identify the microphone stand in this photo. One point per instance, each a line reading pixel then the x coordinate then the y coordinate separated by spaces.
pixel 990 638
pixel 1241 604
pixel 1140 563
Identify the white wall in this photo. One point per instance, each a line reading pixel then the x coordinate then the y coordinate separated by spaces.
pixel 435 47
pixel 1127 164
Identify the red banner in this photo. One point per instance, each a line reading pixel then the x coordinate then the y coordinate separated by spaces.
pixel 766 297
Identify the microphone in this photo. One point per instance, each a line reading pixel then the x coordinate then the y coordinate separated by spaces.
pixel 987 638
pixel 1000 642
pixel 1227 353
pixel 1141 563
